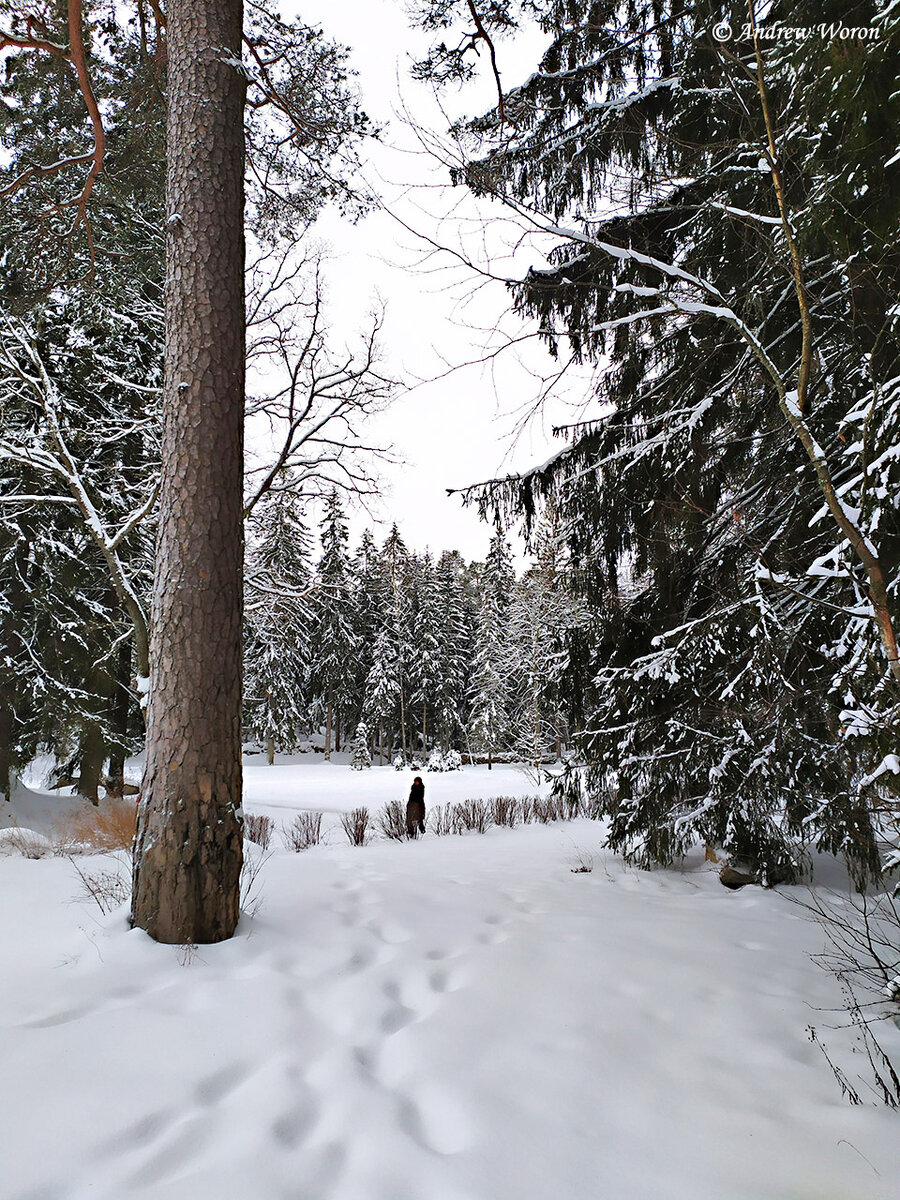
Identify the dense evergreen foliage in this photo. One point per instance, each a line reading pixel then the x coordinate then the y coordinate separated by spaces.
pixel 388 650
pixel 81 343
pixel 726 215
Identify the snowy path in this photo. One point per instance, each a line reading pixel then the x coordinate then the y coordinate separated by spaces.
pixel 455 1019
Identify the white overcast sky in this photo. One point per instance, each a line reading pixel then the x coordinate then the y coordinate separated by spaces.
pixel 459 429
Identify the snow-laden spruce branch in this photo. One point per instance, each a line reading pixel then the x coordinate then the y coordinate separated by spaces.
pixel 26 371
pixel 688 294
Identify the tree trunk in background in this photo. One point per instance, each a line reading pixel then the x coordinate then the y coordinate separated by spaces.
pixel 337 733
pixel 328 731
pixel 5 750
pixel 93 752
pixel 188 849
pixel 270 750
pixel 118 720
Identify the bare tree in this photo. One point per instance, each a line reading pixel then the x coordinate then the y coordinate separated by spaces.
pixel 314 396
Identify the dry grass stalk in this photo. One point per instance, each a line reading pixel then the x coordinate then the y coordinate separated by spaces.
pixel 108 826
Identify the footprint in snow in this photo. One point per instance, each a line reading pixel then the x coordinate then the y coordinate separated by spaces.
pixel 220 1084
pixel 390 932
pixel 295 1125
pixel 63 1018
pixel 431 1116
pixel 359 960
pixel 398 1015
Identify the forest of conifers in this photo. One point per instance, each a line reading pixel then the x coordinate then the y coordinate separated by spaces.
pixel 707 635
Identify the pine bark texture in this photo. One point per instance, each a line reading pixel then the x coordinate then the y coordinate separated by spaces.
pixel 188 850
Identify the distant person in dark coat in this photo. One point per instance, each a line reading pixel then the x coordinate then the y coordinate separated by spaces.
pixel 415 809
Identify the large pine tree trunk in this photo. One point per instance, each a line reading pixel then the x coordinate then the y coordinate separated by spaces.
pixel 188 851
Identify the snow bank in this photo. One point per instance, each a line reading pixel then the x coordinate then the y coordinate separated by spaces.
pixel 458 1018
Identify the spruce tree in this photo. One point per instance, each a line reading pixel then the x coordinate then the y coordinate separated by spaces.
pixel 425 658
pixel 489 719
pixel 382 696
pixel 277 656
pixel 334 642
pixel 361 759
pixel 726 217
pixel 456 602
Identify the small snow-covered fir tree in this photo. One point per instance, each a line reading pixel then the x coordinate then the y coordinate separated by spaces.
pixel 361 758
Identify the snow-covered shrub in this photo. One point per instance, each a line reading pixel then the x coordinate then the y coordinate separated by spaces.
pixel 453 761
pixel 360 758
pixel 27 842
pixel 415 763
pixel 258 829
pixel 472 815
pixel 392 821
pixel 526 809
pixel 550 808
pixel 356 826
pixel 304 831
pixel 398 763
pixel 436 761
pixel 506 810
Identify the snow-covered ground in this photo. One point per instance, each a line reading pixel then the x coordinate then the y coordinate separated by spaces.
pixel 458 1018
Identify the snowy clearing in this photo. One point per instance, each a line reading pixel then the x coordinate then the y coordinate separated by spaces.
pixel 459 1018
